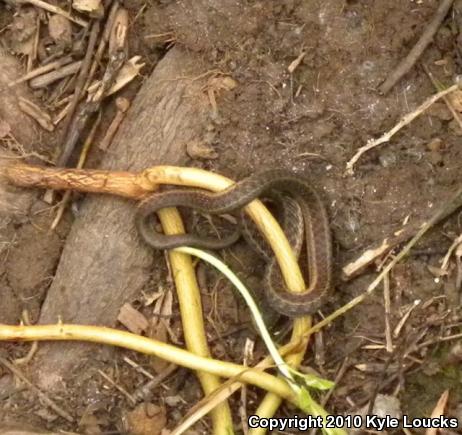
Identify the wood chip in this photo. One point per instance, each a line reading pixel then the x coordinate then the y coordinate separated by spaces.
pixel 126 74
pixel 293 66
pixel 132 319
pixel 60 30
pixel 45 79
pixel 199 150
pixel 92 7
pixel 118 36
pixel 37 113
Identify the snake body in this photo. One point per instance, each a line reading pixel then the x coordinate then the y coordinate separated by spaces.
pixel 315 222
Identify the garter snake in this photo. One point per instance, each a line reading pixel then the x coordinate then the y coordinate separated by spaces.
pixel 315 224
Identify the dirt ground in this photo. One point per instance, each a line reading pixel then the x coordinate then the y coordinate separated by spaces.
pixel 311 121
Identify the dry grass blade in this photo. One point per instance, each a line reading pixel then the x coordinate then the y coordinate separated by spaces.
pixel 438 411
pixel 208 403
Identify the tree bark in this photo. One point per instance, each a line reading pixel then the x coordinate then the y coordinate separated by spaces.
pixel 104 263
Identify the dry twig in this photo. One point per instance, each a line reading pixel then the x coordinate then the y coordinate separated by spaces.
pixel 121 183
pixel 36 112
pixel 81 162
pixel 103 42
pixel 144 390
pixel 444 211
pixel 408 62
pixel 70 135
pixel 43 397
pixel 369 256
pixel 42 70
pixel 405 120
pixel 122 105
pixel 55 10
pixel 118 387
pixel 386 296
pixel 57 73
pixel 439 88
pixel 248 356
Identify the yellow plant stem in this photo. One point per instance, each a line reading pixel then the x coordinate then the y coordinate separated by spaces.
pixel 257 211
pixel 272 232
pixel 271 402
pixel 192 320
pixel 148 346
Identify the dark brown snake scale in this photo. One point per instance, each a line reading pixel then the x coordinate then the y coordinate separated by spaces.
pixel 315 223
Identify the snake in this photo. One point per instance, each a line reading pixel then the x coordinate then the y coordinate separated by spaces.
pixel 314 223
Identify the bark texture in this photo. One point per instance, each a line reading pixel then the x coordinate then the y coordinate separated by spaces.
pixel 104 263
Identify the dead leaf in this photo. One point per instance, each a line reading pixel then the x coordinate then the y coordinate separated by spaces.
pixel 5 128
pixel 159 327
pixel 93 7
pixel 60 30
pixel 149 299
pixel 132 319
pixel 146 419
pixel 23 31
pixel 159 334
pixel 127 73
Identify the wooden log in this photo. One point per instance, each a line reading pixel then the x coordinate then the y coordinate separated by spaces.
pixel 104 263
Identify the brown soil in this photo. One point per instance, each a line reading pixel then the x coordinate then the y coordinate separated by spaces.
pixel 311 121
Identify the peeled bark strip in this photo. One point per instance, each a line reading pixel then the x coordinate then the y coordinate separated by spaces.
pixel 127 184
pixel 104 263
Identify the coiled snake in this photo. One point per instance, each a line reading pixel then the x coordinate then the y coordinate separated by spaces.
pixel 315 223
